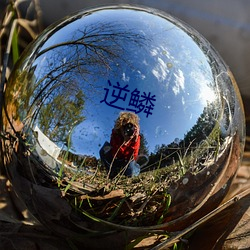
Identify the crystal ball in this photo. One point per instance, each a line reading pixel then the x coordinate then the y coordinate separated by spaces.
pixel 118 120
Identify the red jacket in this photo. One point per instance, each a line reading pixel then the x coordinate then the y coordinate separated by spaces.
pixel 126 151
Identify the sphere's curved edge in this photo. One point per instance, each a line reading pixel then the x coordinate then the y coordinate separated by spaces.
pixel 124 115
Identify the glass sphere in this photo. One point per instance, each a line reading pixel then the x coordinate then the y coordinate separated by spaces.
pixel 120 120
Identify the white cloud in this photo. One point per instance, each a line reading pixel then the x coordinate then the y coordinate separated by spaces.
pixel 206 93
pixel 145 62
pixel 125 78
pixel 159 132
pixel 161 70
pixel 142 76
pixel 154 52
pixel 179 82
pixel 183 100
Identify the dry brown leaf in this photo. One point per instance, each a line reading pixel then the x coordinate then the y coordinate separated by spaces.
pixel 111 195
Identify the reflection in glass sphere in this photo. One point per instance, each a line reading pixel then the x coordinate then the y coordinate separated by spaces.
pixel 121 118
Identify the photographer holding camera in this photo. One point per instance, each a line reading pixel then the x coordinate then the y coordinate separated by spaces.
pixel 119 156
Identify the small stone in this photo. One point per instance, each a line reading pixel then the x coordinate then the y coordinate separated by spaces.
pixel 185 181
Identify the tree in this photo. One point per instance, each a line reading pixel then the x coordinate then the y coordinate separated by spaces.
pixel 58 117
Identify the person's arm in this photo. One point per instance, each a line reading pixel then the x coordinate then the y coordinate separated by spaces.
pixel 137 146
pixel 135 142
pixel 115 142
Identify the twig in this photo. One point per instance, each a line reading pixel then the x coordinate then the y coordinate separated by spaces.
pixel 5 64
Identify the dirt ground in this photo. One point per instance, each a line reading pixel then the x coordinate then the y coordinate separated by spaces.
pixel 228 230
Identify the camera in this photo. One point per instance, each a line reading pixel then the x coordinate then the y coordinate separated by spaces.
pixel 128 129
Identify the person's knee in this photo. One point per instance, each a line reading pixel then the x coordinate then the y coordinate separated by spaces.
pixel 133 169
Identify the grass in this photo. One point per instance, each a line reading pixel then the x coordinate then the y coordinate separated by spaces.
pixel 139 201
pixel 108 199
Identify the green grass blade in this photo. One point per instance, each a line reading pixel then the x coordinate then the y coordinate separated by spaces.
pixel 116 210
pixel 168 203
pixel 70 184
pixel 14 46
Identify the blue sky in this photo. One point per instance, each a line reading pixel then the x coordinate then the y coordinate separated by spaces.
pixel 168 64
